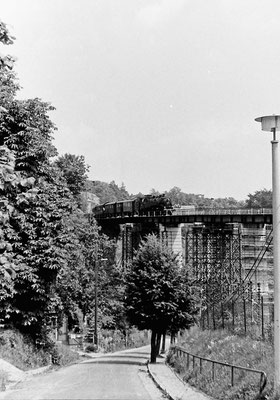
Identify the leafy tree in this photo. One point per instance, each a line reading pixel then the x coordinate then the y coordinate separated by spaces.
pixel 35 203
pixel 180 198
pixel 76 280
pixel 227 202
pixel 40 252
pixel 48 246
pixel 36 228
pixel 260 199
pixel 157 295
pixel 9 183
pixel 74 171
pixel 27 130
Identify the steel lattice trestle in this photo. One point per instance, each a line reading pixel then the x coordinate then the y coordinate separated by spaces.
pixel 213 259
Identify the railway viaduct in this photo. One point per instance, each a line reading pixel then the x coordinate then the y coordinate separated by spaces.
pixel 231 248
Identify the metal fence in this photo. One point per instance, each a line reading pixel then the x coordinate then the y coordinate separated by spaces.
pixel 253 316
pixel 195 361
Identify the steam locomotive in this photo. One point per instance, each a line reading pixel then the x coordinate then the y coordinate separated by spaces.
pixel 156 204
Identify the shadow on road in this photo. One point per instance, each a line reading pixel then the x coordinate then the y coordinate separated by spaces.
pixel 123 362
pixel 124 359
pixel 145 356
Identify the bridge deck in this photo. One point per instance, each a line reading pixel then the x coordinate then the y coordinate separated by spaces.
pixel 208 216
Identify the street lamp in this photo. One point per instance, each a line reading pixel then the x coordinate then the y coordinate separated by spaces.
pixel 96 300
pixel 271 123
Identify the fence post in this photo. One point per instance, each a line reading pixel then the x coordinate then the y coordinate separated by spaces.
pixel 232 306
pixel 223 320
pixel 202 320
pixel 245 319
pixel 214 324
pixel 232 375
pixel 262 313
pixel 213 371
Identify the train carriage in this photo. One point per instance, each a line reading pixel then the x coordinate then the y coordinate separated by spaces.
pixel 128 207
pixel 119 208
pixel 124 208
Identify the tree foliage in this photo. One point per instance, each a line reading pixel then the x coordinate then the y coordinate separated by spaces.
pixel 48 245
pixel 74 170
pixel 108 191
pixel 158 295
pixel 259 199
pixel 76 282
pixel 180 198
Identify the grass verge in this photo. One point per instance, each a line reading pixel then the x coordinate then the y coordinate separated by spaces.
pixel 20 351
pixel 233 349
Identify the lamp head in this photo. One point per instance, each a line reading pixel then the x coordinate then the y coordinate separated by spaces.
pixel 270 123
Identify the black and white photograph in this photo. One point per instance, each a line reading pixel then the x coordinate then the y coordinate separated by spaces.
pixel 139 200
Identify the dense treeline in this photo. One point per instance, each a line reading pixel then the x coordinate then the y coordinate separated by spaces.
pixel 48 244
pixel 112 192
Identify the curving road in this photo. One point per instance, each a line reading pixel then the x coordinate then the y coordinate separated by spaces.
pixel 118 376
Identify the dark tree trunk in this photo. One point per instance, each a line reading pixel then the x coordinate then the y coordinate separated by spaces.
pixel 158 342
pixel 172 339
pixel 154 347
pixel 163 343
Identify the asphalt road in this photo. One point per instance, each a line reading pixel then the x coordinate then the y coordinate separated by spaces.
pixel 119 376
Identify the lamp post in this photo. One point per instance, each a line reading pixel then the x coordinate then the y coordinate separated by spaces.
pixel 271 123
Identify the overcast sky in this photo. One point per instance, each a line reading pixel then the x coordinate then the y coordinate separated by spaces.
pixel 155 93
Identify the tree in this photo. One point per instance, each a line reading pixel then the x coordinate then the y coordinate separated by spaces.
pixel 48 246
pixel 107 191
pixel 260 199
pixel 34 205
pixel 157 295
pixel 74 170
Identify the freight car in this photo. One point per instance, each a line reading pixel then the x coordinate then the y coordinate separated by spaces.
pixel 146 205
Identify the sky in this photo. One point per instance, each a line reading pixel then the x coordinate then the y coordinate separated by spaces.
pixel 155 93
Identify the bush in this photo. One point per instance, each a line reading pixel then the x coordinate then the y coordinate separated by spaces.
pixel 91 348
pixel 63 355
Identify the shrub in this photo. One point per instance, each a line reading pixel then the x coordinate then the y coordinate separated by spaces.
pixel 63 355
pixel 91 348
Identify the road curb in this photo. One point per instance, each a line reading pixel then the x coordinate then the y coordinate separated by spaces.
pixel 173 386
pixel 27 374
pixel 164 391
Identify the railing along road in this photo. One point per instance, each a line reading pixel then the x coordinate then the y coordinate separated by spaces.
pixel 181 351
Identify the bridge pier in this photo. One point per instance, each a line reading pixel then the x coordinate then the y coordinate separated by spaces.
pixel 172 236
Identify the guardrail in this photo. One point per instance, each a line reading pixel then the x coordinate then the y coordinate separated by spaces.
pixel 180 350
pixel 223 211
pixel 196 211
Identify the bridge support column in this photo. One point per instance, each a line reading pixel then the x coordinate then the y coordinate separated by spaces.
pixel 127 241
pixel 172 236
